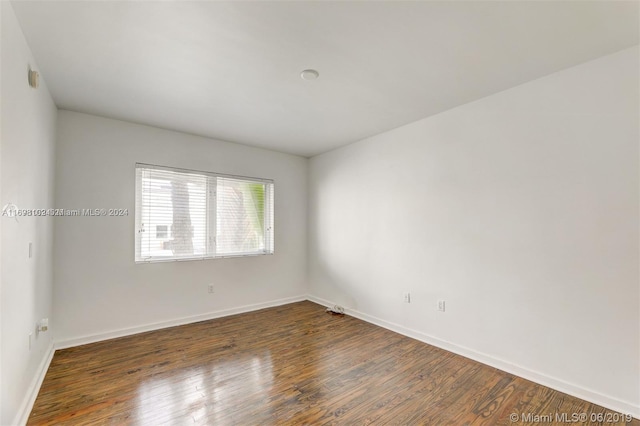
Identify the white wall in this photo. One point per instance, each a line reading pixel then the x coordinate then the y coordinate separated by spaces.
pixel 27 160
pixel 99 291
pixel 520 210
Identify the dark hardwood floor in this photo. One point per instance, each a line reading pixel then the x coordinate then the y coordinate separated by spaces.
pixel 292 364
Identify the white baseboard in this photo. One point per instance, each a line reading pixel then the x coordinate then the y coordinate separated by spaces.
pixel 172 323
pixel 34 387
pixel 32 392
pixel 615 404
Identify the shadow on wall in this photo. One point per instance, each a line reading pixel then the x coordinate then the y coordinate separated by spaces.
pixel 337 285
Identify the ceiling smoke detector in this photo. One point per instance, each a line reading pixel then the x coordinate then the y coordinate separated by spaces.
pixel 309 74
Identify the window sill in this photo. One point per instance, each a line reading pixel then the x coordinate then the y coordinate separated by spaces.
pixel 199 258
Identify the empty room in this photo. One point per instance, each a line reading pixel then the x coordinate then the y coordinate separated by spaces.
pixel 319 212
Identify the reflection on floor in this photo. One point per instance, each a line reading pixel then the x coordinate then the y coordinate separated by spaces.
pixel 198 392
pixel 292 364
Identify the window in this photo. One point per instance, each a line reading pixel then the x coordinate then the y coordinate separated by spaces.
pixel 185 214
pixel 161 231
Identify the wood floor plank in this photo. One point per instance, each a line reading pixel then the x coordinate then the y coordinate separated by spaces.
pixel 291 364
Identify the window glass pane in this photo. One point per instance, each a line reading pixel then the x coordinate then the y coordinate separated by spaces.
pixel 175 202
pixel 240 216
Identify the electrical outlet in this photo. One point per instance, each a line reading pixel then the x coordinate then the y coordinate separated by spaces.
pixel 210 288
pixel 441 305
pixel 407 298
pixel 43 325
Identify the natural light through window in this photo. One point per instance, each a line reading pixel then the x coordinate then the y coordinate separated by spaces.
pixel 185 214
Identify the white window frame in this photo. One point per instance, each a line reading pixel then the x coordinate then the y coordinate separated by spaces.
pixel 211 199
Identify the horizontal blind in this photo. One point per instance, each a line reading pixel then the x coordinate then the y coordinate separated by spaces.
pixel 243 217
pixel 182 214
pixel 173 214
pixel 269 217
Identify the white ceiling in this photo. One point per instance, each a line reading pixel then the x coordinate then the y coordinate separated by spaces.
pixel 231 70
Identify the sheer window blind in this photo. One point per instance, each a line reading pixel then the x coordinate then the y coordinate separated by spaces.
pixel 185 214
